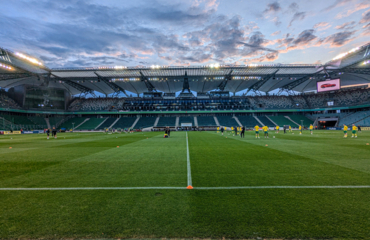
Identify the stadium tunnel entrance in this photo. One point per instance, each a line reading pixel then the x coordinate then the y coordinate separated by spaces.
pixel 327 123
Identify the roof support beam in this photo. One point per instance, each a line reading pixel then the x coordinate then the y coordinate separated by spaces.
pixel 112 85
pixel 259 84
pixel 148 84
pixel 186 85
pixel 299 81
pixel 75 85
pixel 224 82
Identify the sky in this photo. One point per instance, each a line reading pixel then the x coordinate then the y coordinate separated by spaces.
pixel 75 33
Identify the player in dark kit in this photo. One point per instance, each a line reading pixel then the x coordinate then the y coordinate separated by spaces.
pixel 242 132
pixel 48 133
pixel 222 130
pixel 54 132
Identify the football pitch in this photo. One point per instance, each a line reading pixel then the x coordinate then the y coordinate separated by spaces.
pixel 96 185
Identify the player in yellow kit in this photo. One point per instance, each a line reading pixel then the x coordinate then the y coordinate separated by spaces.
pixel 345 128
pixel 265 130
pixel 354 131
pixel 277 129
pixel 300 130
pixel 290 128
pixel 257 128
pixel 311 129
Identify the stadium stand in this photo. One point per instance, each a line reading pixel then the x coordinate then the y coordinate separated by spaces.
pixel 166 121
pixel 55 121
pixel 7 102
pixel 299 118
pixel 145 122
pixel 107 123
pixel 266 121
pixel 69 123
pixel 40 121
pixel 364 122
pixel 206 121
pixel 281 121
pixel 248 121
pixel 124 122
pixel 186 120
pixel 227 121
pixel 17 119
pixel 353 118
pixel 90 124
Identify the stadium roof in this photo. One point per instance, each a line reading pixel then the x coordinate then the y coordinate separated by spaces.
pixel 353 68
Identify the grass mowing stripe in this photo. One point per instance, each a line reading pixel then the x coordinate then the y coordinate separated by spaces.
pixel 188 161
pixel 183 188
pixel 89 188
pixel 279 187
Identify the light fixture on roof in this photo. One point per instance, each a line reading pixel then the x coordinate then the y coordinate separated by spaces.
pixel 6 67
pixel 32 60
pixel 119 67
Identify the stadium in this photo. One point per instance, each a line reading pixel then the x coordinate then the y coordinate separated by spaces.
pixel 214 150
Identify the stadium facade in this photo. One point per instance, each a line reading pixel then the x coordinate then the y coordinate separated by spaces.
pixel 34 96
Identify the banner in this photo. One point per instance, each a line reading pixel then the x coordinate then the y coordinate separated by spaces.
pixel 365 128
pixel 27 132
pixel 14 132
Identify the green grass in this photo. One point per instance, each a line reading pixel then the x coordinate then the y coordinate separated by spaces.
pixel 149 160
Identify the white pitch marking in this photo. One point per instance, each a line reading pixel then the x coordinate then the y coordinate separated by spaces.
pixel 188 161
pixel 278 187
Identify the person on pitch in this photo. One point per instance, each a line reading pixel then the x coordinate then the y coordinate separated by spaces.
pixel 311 129
pixel 345 128
pixel 222 130
pixel 257 128
pixel 236 131
pixel 300 130
pixel 277 129
pixel 290 128
pixel 48 133
pixel 265 130
pixel 354 131
pixel 54 132
pixel 242 132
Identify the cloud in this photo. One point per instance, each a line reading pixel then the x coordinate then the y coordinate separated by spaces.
pixel 366 31
pixel 293 7
pixel 321 26
pixel 337 3
pixel 346 26
pixel 298 16
pixel 365 17
pixel 305 39
pixel 356 8
pixel 275 33
pixel 273 7
pixel 340 38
